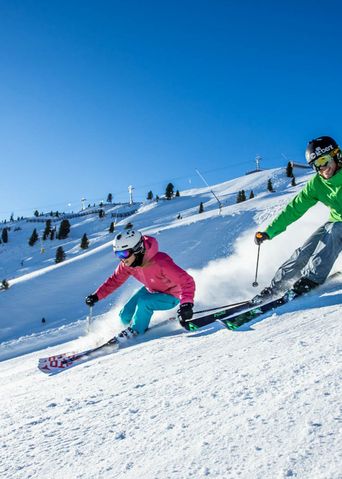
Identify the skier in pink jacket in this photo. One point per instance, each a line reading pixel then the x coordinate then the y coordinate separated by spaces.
pixel 165 284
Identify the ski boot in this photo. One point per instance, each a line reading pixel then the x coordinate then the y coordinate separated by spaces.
pixel 303 285
pixel 126 334
pixel 265 295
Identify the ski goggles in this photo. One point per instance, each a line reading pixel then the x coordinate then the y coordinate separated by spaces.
pixel 324 161
pixel 124 254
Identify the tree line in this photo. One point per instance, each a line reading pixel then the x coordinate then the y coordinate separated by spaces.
pixel 169 193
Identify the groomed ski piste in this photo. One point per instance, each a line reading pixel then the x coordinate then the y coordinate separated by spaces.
pixel 262 402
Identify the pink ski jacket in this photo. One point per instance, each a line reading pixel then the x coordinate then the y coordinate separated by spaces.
pixel 158 273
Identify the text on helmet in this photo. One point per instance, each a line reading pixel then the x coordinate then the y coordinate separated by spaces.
pixel 318 152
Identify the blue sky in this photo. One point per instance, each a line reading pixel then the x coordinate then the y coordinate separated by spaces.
pixel 95 96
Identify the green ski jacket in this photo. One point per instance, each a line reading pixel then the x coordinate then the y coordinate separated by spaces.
pixel 317 189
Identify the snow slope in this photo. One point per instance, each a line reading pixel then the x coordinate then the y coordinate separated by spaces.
pixel 261 402
pixel 56 292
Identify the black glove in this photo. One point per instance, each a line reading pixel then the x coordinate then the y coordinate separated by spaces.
pixel 260 237
pixel 185 312
pixel 91 299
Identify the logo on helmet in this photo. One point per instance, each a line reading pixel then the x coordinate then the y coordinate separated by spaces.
pixel 318 152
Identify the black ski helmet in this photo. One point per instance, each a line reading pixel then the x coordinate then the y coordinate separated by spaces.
pixel 322 146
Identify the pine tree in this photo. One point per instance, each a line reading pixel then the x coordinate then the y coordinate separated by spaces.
pixel 241 196
pixel 52 234
pixel 84 242
pixel 12 217
pixel 109 198
pixel 102 214
pixel 47 229
pixel 4 284
pixel 157 198
pixel 251 195
pixel 177 193
pixel 4 235
pixel 293 181
pixel 169 192
pixel 149 195
pixel 201 208
pixel 111 227
pixel 129 226
pixel 64 229
pixel 34 237
pixel 36 213
pixel 289 170
pixel 60 255
pixel 270 186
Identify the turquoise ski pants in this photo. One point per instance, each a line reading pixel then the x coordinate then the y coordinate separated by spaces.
pixel 139 309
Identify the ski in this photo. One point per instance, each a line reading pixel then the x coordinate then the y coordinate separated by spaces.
pixel 60 362
pixel 234 318
pixel 201 321
pixel 235 321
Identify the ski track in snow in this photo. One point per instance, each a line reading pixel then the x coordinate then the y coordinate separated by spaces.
pixel 263 402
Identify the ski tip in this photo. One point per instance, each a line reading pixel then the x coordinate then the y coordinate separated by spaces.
pixel 44 369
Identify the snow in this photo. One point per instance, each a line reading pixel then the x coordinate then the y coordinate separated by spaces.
pixel 262 402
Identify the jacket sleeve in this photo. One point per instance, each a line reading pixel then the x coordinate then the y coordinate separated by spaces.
pixel 180 277
pixel 293 211
pixel 114 281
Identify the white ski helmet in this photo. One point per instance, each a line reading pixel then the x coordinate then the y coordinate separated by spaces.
pixel 129 240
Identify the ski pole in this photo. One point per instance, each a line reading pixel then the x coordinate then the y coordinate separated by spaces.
pixel 90 317
pixel 241 303
pixel 255 282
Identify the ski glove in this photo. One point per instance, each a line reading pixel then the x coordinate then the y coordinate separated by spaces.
pixel 185 312
pixel 260 237
pixel 91 299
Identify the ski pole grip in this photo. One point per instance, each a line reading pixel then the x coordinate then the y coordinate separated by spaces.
pixel 260 237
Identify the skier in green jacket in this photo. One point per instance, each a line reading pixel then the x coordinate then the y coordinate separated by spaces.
pixel 310 264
